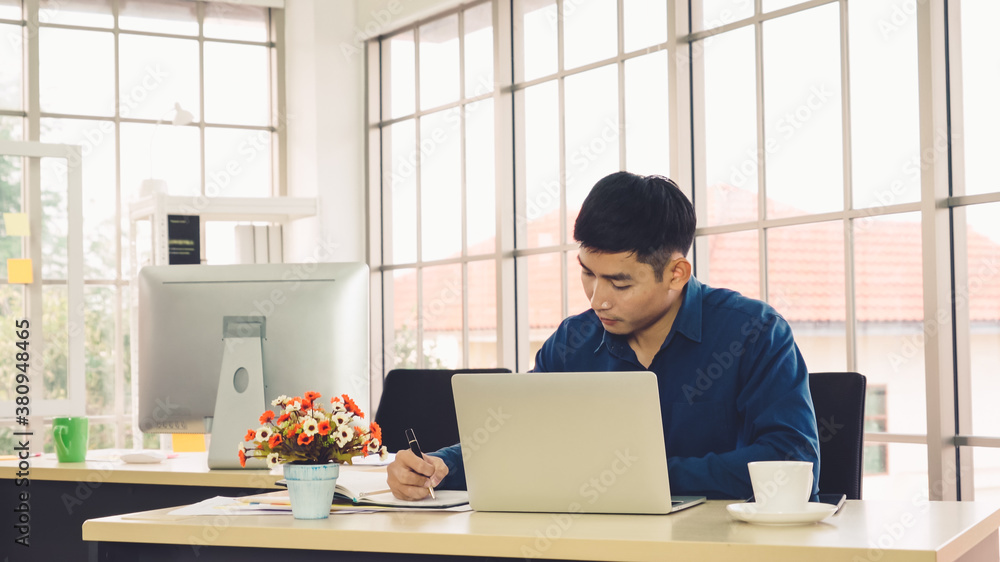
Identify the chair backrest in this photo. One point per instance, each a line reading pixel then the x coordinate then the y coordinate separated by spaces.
pixel 839 399
pixel 420 399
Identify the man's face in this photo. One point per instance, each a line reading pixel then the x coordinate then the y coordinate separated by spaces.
pixel 624 292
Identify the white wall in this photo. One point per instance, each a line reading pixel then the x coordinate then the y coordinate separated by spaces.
pixel 324 85
pixel 325 94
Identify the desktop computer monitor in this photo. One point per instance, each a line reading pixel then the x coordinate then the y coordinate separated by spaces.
pixel 246 334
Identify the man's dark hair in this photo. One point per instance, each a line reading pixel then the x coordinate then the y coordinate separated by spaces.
pixel 648 216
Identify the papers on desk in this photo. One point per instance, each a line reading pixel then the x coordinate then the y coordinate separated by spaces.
pixel 374 460
pixel 276 503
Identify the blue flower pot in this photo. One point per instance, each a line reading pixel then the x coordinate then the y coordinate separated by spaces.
pixel 310 489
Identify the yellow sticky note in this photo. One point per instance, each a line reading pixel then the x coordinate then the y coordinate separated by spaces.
pixel 19 270
pixel 188 442
pixel 16 224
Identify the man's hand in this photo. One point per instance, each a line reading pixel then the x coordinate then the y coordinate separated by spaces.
pixel 410 476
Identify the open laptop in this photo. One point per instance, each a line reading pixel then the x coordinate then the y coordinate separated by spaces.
pixel 564 443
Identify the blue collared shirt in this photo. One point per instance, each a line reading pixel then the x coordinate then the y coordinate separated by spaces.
pixel 733 389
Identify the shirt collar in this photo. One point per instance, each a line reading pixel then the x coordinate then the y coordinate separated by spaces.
pixel 688 321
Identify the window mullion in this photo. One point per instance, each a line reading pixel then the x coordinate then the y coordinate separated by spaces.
pixel 463 187
pixel 118 348
pixel 850 319
pixel 942 473
pixel 960 252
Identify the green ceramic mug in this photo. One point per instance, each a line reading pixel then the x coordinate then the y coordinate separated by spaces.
pixel 70 435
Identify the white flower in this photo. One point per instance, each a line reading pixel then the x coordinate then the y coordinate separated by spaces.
pixel 293 406
pixel 263 434
pixel 309 426
pixel 383 453
pixel 344 435
pixel 273 460
pixel 337 407
pixel 279 400
pixel 340 419
pixel 373 446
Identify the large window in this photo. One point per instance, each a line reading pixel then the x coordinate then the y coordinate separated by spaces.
pixel 113 77
pixel 835 174
pixel 446 170
pixel 439 196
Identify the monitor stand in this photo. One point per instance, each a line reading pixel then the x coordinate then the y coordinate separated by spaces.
pixel 240 399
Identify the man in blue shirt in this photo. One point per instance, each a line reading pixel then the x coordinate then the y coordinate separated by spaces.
pixel 733 386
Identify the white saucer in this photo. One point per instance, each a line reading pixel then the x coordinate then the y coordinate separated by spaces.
pixel 748 512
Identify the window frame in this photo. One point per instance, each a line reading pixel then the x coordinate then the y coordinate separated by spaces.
pixel 121 416
pixel 74 403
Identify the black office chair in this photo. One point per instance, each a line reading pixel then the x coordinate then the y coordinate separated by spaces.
pixel 839 399
pixel 420 399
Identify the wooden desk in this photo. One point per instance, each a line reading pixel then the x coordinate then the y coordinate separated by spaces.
pixel 64 495
pixel 864 530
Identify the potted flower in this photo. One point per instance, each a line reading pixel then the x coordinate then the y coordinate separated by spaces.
pixel 312 443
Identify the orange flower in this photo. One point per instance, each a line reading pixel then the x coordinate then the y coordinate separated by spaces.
pixel 288 432
pixel 352 407
pixel 324 427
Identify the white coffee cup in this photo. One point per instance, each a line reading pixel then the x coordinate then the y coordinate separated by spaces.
pixel 781 486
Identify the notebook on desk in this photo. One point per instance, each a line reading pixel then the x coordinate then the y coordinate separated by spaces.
pixel 564 443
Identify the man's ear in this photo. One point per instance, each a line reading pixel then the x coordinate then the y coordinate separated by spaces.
pixel 679 272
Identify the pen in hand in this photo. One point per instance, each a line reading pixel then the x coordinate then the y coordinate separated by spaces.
pixel 411 438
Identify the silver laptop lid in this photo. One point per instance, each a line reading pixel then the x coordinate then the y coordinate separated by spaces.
pixel 563 442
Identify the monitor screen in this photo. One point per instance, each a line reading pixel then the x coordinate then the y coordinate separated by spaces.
pixel 313 333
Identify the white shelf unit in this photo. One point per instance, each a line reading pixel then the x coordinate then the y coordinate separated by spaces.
pixel 157 207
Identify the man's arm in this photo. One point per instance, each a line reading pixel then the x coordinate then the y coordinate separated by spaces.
pixel 452 457
pixel 778 420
